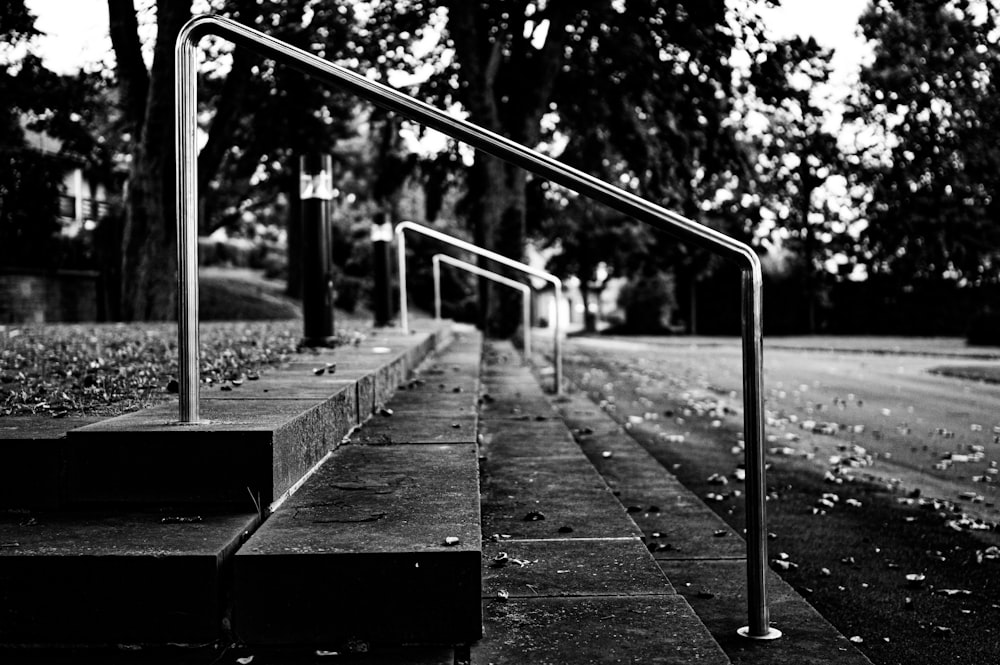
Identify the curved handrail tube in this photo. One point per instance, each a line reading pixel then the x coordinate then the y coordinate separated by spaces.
pixel 185 67
pixel 525 290
pixel 493 256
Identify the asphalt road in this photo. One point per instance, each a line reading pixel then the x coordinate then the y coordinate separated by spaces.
pixel 868 407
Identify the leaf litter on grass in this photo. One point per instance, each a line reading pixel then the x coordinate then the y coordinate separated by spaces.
pixel 108 369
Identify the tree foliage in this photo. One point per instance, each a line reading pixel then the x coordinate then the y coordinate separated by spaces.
pixel 641 93
pixel 63 108
pixel 797 159
pixel 261 118
pixel 930 102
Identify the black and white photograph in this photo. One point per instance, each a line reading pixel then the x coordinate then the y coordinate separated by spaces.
pixel 499 332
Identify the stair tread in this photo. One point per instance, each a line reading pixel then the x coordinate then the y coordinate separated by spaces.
pixel 379 499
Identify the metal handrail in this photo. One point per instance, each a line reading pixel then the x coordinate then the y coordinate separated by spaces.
pixel 185 68
pixel 493 256
pixel 525 290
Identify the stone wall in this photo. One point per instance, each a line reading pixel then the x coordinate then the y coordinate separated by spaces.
pixel 40 297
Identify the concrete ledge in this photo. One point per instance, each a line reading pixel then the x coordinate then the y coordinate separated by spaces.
pixel 33 449
pixel 257 440
pixel 68 579
pixel 248 448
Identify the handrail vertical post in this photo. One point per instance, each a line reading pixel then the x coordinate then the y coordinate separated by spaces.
pixel 753 433
pixel 404 319
pixel 185 145
pixel 436 270
pixel 526 315
pixel 558 337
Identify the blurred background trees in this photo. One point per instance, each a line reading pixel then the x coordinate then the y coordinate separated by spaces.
pixel 863 221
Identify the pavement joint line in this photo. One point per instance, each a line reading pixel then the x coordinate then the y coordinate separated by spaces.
pixel 596 596
pixel 588 539
pixel 700 558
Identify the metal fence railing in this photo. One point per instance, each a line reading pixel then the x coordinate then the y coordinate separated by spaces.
pixel 186 128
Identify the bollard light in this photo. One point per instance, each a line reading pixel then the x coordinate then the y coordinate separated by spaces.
pixel 381 236
pixel 315 193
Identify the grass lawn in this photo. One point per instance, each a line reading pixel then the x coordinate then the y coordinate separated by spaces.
pixel 243 295
pixel 109 369
pixel 248 324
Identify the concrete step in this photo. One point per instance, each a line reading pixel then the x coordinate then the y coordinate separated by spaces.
pixel 124 531
pixel 33 449
pixel 381 545
pixel 255 441
pixel 567 577
pixel 110 579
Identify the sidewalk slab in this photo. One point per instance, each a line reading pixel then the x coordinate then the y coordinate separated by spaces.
pixel 595 631
pixel 527 439
pixel 529 499
pixel 568 567
pixel 384 430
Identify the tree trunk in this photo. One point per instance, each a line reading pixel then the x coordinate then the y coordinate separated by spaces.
pixel 808 183
pixel 589 319
pixel 149 243
pixel 497 188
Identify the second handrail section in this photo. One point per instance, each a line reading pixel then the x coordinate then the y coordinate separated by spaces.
pixel 525 290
